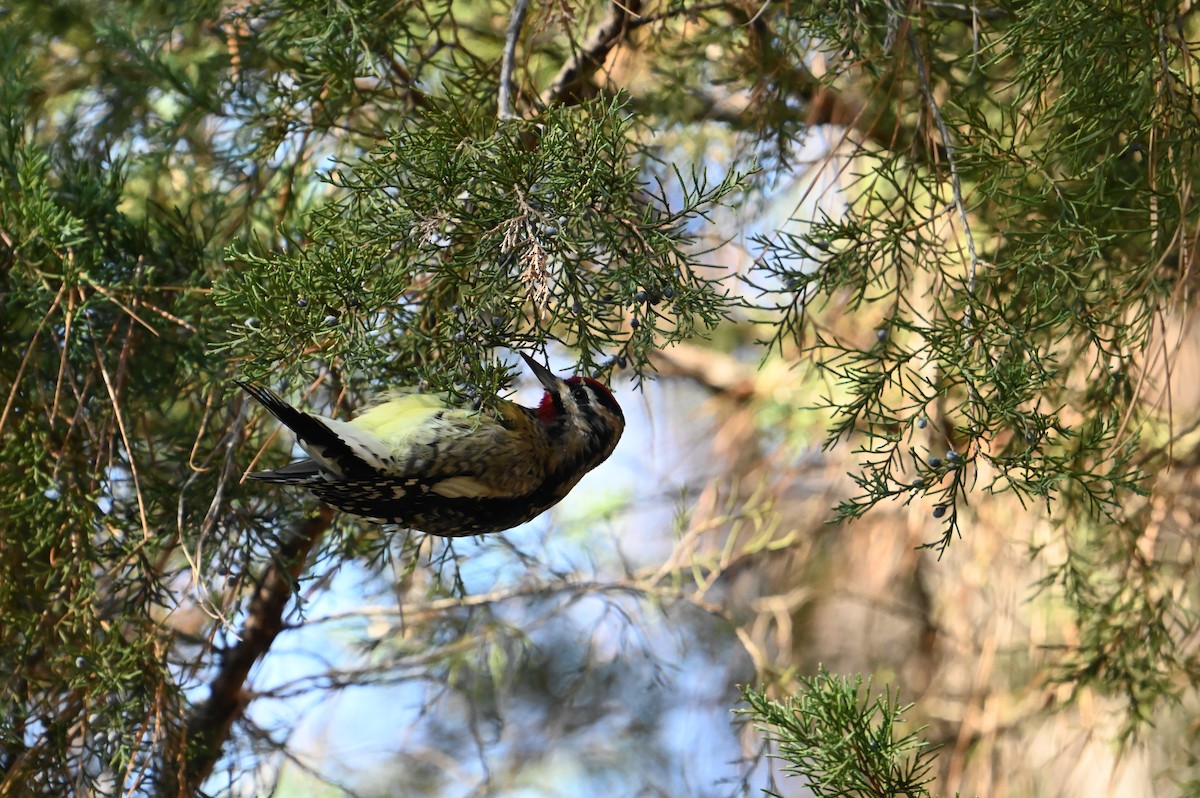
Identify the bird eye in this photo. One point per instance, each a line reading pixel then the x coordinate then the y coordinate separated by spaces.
pixel 580 395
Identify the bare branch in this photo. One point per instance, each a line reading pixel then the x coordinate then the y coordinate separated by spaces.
pixel 209 725
pixel 715 371
pixel 580 68
pixel 508 62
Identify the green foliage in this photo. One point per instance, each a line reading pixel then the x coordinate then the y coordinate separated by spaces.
pixel 1075 239
pixel 842 740
pixel 85 665
pixel 1013 245
pixel 164 224
pixel 109 424
pixel 300 190
pixel 461 235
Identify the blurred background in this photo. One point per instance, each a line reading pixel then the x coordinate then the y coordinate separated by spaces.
pixel 896 299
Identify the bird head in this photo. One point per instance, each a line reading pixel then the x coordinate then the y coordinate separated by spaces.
pixel 580 413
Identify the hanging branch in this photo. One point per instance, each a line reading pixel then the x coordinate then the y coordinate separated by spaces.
pixel 210 722
pixel 955 181
pixel 508 62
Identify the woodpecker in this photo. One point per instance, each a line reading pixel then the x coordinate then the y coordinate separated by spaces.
pixel 417 461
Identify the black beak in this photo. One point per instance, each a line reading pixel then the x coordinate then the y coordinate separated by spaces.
pixel 544 375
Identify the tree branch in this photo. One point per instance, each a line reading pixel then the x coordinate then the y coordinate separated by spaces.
pixel 714 370
pixel 208 726
pixel 820 104
pixel 955 182
pixel 508 62
pixel 581 67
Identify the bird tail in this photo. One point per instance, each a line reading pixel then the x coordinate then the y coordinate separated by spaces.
pixel 298 473
pixel 329 450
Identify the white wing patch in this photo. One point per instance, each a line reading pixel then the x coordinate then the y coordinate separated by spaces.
pixel 365 445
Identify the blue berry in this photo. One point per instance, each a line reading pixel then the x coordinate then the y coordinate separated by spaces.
pixel 939 511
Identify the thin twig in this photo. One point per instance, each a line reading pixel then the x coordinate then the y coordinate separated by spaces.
pixel 682 11
pixel 209 724
pixel 955 183
pixel 111 297
pixel 171 317
pixel 229 441
pixel 62 360
pixel 973 397
pixel 509 61
pixel 29 350
pixel 131 453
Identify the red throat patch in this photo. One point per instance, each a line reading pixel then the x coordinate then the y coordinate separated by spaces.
pixel 546 410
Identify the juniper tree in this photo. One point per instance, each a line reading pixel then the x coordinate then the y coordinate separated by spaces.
pixel 367 194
